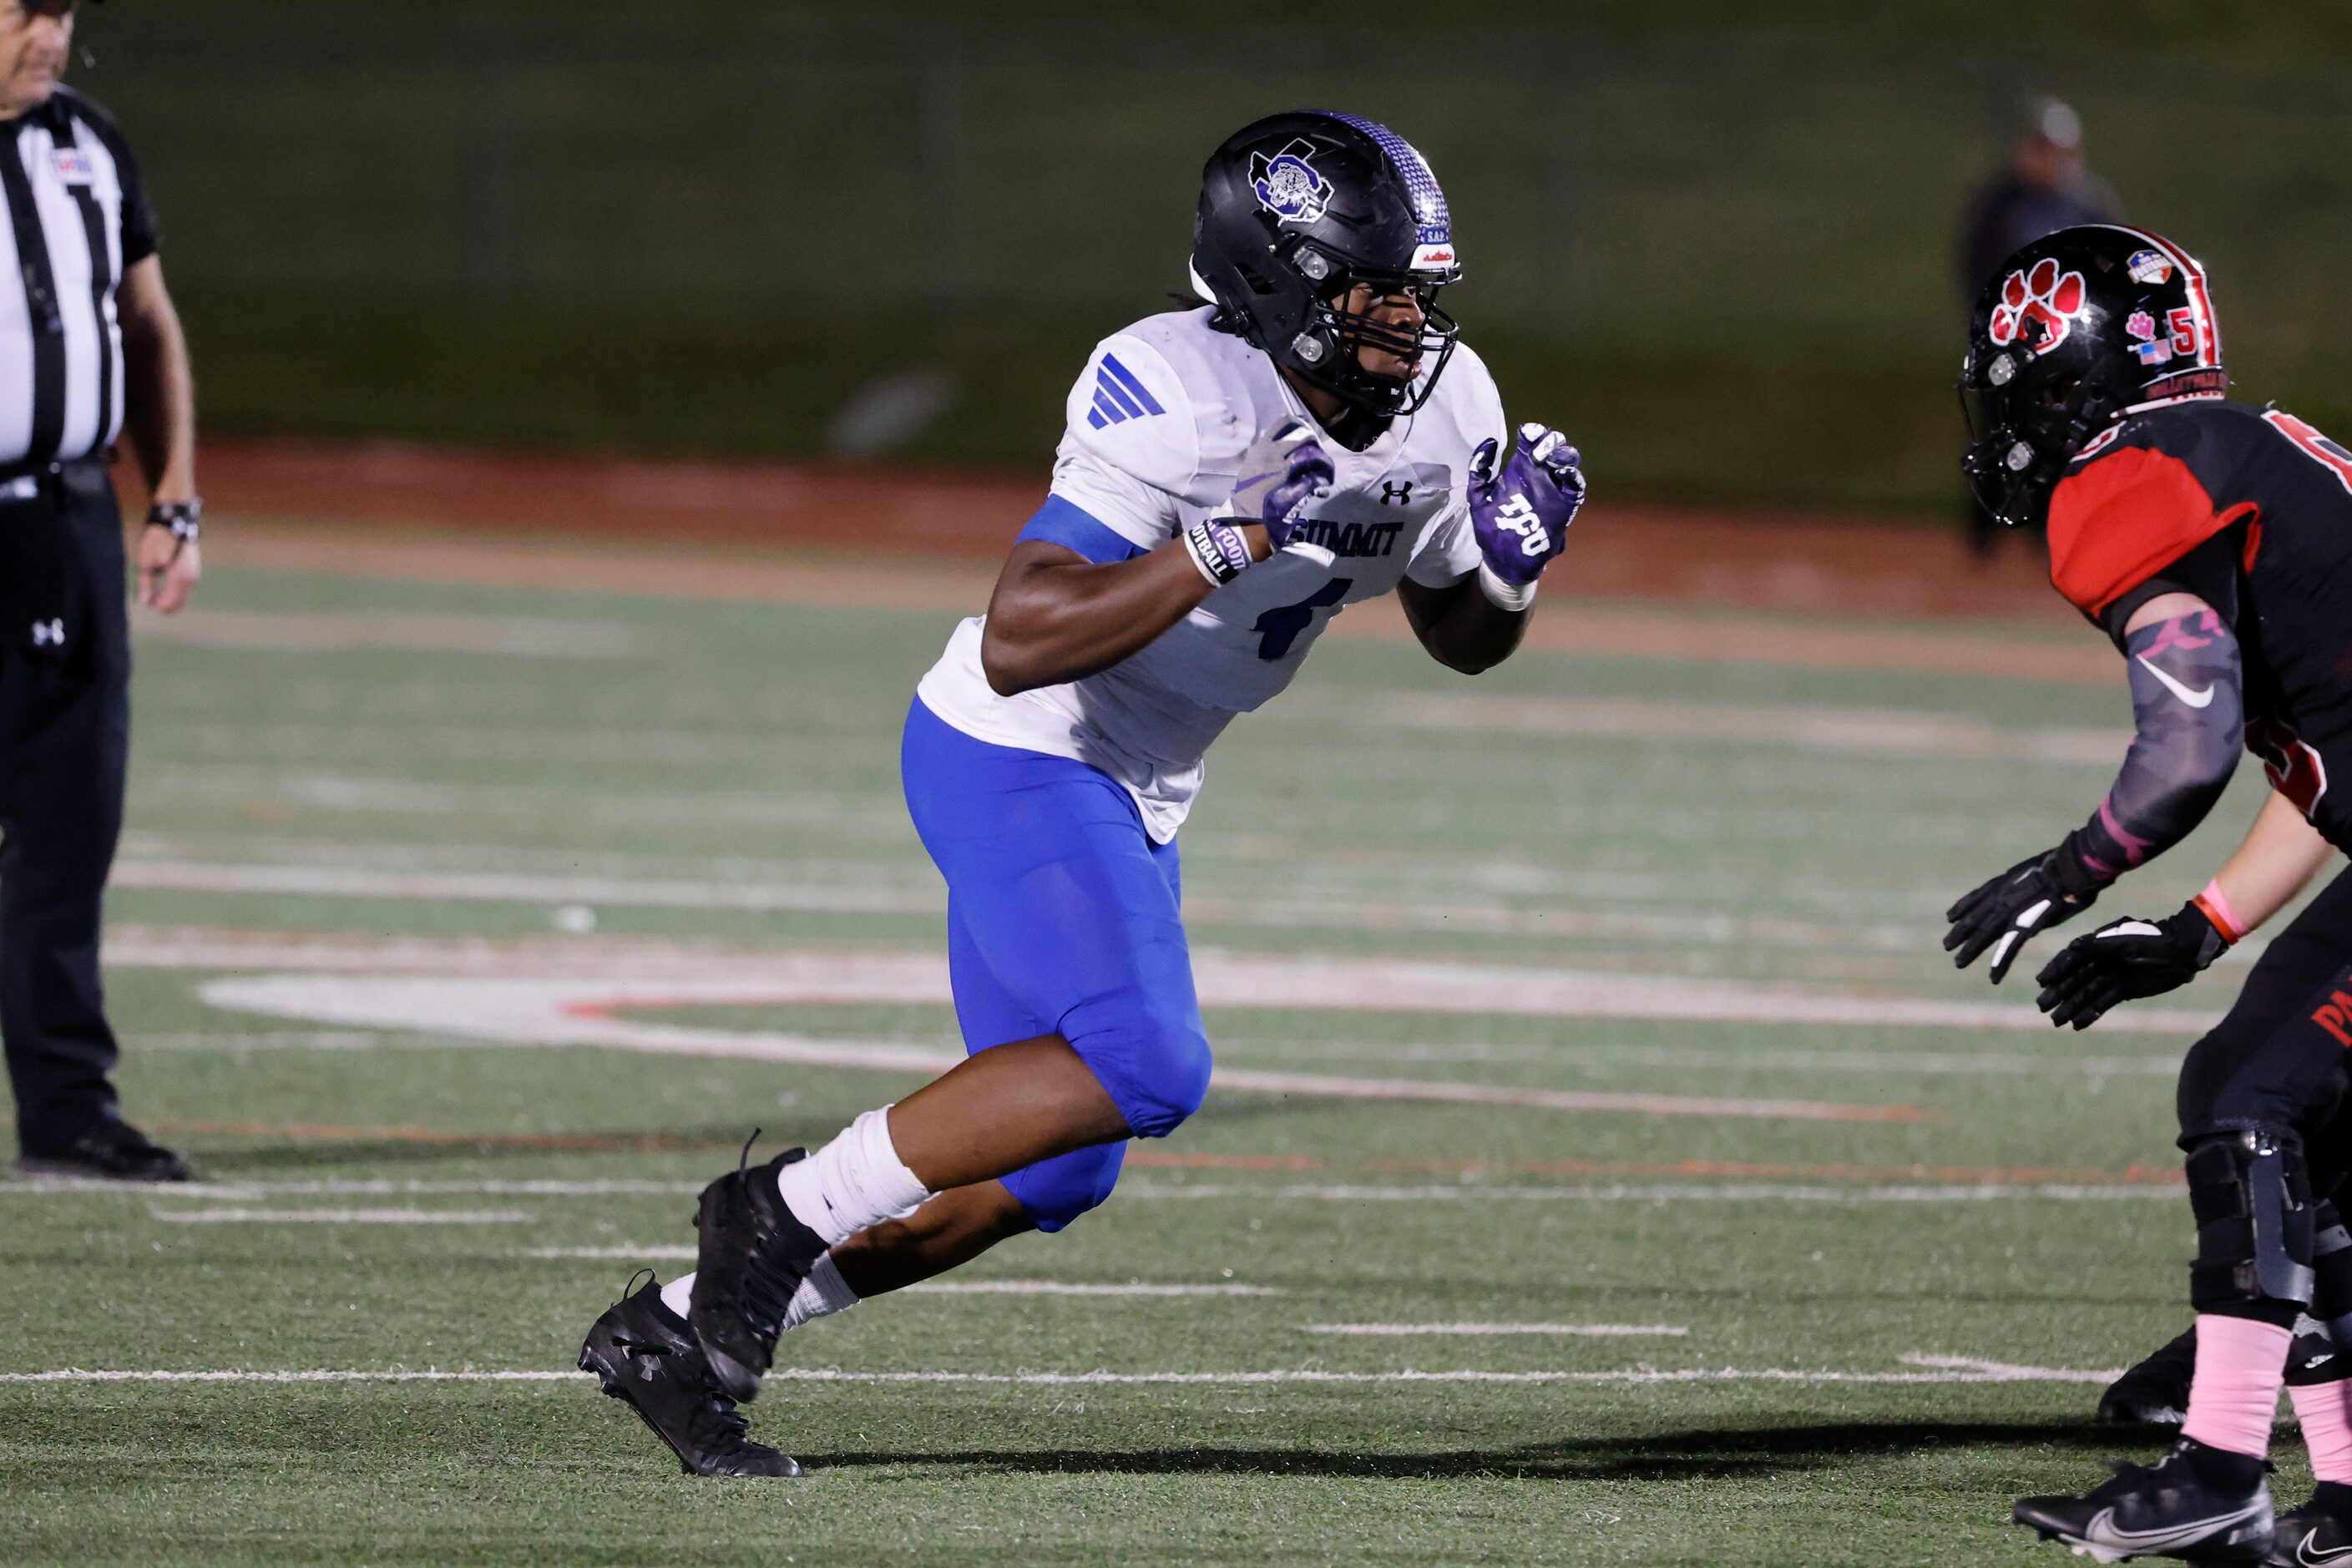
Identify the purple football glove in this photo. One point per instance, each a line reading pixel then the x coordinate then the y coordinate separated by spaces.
pixel 1283 471
pixel 1522 514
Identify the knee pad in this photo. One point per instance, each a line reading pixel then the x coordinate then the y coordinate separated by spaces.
pixel 2251 1197
pixel 1059 1190
pixel 2331 1267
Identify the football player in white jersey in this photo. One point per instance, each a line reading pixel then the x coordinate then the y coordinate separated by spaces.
pixel 1234 476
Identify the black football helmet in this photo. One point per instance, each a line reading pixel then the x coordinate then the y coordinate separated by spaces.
pixel 2072 334
pixel 1296 209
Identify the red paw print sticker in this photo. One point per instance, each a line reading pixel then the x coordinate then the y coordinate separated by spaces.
pixel 2041 297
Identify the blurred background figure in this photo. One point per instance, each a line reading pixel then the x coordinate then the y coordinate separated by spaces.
pixel 90 347
pixel 2045 188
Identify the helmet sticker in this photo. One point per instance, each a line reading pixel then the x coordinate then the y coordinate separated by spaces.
pixel 1432 257
pixel 2037 308
pixel 2149 267
pixel 1289 187
pixel 2152 346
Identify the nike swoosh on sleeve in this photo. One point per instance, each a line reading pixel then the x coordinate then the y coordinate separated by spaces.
pixel 2199 699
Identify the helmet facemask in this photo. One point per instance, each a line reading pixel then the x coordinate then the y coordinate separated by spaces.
pixel 2027 419
pixel 1330 354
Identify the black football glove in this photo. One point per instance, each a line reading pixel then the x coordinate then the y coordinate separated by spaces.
pixel 2036 893
pixel 2125 958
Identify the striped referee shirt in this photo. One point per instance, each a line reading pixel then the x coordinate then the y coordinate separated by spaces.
pixel 78 218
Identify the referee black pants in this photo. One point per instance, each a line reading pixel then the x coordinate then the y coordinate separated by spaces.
pixel 64 735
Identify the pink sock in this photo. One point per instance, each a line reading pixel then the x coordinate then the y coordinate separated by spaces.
pixel 2239 1365
pixel 2326 1411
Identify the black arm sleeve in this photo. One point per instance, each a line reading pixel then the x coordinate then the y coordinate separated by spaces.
pixel 2189 715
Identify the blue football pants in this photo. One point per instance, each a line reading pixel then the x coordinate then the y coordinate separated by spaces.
pixel 1063 918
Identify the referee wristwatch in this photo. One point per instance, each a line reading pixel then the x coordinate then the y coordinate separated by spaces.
pixel 186 519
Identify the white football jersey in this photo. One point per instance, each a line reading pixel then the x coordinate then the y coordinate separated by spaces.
pixel 1158 425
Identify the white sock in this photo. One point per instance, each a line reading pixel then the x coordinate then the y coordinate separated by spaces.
pixel 855 1181
pixel 822 1294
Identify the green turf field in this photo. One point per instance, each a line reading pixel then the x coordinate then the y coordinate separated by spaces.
pixel 1856 1325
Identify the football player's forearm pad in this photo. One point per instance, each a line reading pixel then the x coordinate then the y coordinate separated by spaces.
pixel 2189 715
pixel 2251 1197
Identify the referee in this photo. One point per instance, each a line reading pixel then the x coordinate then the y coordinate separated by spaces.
pixel 89 348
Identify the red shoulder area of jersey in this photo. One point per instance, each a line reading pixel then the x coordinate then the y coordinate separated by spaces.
pixel 2122 518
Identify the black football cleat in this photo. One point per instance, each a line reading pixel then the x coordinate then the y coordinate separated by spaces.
pixel 112 1150
pixel 753 1253
pixel 647 1357
pixel 2155 1391
pixel 2318 1535
pixel 2197 1504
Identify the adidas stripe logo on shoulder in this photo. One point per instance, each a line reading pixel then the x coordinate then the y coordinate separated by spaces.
pixel 1119 395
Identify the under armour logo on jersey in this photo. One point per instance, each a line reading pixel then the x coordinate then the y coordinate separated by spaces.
pixel 50 633
pixel 1119 396
pixel 1396 493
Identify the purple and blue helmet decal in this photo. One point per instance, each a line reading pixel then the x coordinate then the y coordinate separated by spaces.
pixel 1429 213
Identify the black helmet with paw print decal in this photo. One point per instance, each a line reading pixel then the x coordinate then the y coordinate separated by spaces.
pixel 2077 331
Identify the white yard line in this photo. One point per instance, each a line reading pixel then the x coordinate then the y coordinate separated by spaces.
pixel 53 1186
pixel 392 985
pixel 1714 1191
pixel 1925 1064
pixel 1062 1288
pixel 1144 1189
pixel 605 1011
pixel 341 1216
pixel 1958 1374
pixel 1879 733
pixel 929 1287
pixel 2008 1372
pixel 171 874
pixel 1592 1330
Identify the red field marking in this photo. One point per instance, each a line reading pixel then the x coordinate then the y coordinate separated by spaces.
pixel 1162 1159
pixel 1781 560
pixel 1965 1175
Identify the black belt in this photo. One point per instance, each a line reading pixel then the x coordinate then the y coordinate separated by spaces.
pixel 81 476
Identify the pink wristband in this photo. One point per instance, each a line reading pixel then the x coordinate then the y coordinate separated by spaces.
pixel 2216 905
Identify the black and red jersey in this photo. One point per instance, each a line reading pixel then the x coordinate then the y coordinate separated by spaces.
pixel 2251 510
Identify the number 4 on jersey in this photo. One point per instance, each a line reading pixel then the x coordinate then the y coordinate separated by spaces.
pixel 1278 628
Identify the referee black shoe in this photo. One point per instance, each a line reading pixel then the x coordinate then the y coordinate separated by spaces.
pixel 648 1358
pixel 112 1150
pixel 752 1254
pixel 2155 1391
pixel 2197 1504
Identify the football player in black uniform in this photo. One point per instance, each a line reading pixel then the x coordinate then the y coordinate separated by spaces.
pixel 2212 542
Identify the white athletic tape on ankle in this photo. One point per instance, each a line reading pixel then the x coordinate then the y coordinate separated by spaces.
pixel 853 1182
pixel 822 1294
pixel 678 1294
